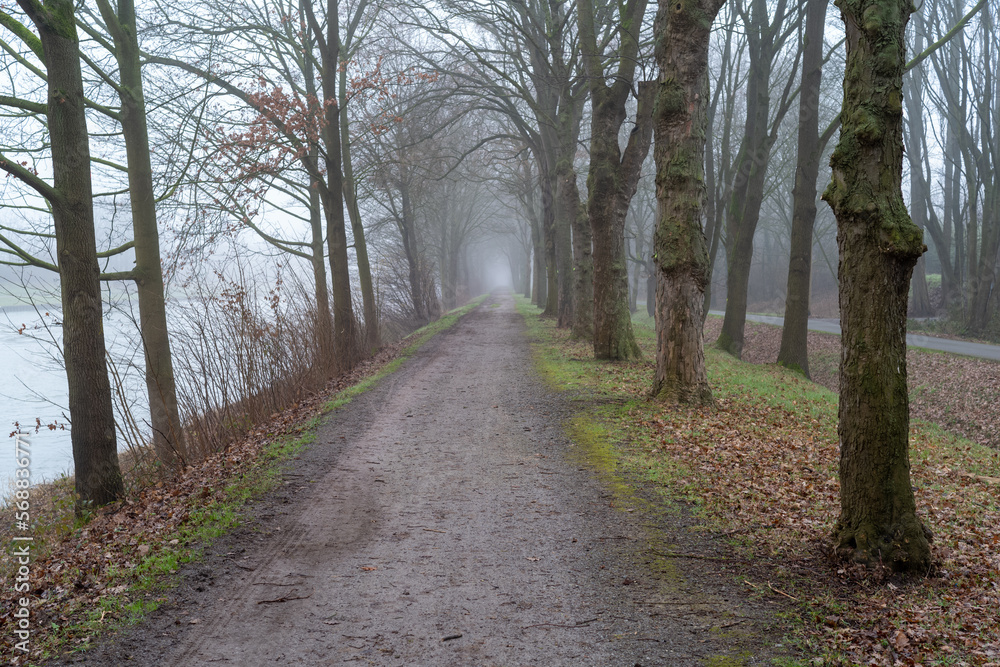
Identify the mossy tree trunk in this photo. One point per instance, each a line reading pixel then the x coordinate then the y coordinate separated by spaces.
pixel 613 174
pixel 681 255
pixel 168 438
pixel 651 272
pixel 536 255
pixel 583 277
pixel 567 206
pixel 794 351
pixel 548 190
pixel 879 245
pixel 98 478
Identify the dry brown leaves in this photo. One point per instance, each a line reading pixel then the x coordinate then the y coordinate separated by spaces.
pixel 960 394
pixel 770 476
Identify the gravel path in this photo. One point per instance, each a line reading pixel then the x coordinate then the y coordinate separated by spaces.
pixel 438 520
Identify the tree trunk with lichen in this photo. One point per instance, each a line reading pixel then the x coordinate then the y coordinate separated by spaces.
pixel 567 204
pixel 613 174
pixel 879 246
pixel 679 126
pixel 583 277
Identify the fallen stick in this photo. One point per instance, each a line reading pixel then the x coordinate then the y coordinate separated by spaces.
pixel 781 592
pixel 579 624
pixel 285 599
pixel 274 583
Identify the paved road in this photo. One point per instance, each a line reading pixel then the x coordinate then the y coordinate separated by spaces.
pixel 965 348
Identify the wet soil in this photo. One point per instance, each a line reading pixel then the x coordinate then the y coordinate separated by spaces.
pixel 443 518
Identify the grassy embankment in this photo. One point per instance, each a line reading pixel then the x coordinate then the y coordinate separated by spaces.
pixel 107 569
pixel 760 469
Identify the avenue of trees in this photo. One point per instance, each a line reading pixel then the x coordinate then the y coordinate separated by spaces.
pixel 386 153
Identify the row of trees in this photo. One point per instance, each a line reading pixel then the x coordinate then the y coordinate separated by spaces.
pixel 264 116
pixel 770 56
pixel 394 135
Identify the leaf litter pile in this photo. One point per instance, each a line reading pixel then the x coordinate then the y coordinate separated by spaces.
pixel 88 577
pixel 761 468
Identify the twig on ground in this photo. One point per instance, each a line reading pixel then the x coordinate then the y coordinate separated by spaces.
pixel 781 592
pixel 579 624
pixel 285 599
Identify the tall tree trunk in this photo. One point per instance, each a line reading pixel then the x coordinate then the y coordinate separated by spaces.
pixel 539 275
pixel 98 478
pixel 547 186
pixel 743 213
pixel 168 437
pixel 567 206
pixel 408 232
pixel 611 185
pixel 794 352
pixel 324 319
pixel 633 289
pixel 372 338
pixel 332 190
pixel 613 175
pixel 651 281
pixel 919 199
pixel 528 258
pixel 879 245
pixel 679 124
pixel 583 276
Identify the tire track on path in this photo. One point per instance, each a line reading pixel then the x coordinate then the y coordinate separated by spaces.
pixel 438 521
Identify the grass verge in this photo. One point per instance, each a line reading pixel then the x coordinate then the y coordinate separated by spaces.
pixel 761 469
pixel 91 574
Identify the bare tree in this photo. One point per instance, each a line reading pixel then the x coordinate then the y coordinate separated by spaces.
pixel 98 479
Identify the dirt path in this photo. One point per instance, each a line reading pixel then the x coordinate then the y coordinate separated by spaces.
pixel 438 520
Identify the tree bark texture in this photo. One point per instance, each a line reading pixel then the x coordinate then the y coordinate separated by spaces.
pixel 324 319
pixel 566 209
pixel 613 175
pixel 549 240
pixel 743 213
pixel 879 246
pixel 98 478
pixel 371 330
pixel 794 351
pixel 168 437
pixel 919 197
pixel 346 339
pixel 679 125
pixel 611 185
pixel 583 276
